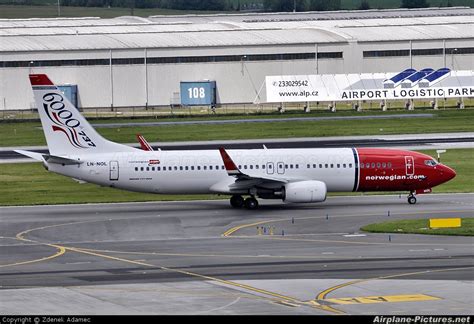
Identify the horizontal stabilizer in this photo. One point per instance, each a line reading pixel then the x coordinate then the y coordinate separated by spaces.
pixel 61 160
pixel 33 155
pixel 49 158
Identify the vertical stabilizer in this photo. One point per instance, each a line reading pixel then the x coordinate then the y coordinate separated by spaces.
pixel 67 132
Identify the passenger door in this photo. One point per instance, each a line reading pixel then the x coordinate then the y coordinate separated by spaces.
pixel 409 165
pixel 114 170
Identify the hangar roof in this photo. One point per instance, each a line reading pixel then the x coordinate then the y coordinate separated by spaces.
pixel 230 30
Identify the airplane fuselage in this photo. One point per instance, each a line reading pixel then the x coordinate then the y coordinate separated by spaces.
pixel 200 172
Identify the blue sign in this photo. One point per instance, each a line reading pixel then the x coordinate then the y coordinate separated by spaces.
pixel 198 93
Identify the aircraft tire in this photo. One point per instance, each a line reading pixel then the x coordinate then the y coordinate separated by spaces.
pixel 237 201
pixel 411 200
pixel 251 203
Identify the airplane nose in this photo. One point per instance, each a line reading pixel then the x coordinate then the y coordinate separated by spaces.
pixel 448 173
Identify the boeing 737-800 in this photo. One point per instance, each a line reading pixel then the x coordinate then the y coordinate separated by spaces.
pixel 293 175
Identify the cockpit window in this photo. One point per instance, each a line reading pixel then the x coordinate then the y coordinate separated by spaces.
pixel 430 162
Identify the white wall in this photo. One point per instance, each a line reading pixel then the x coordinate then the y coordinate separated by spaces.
pixel 237 82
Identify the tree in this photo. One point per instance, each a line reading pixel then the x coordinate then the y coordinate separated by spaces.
pixel 414 4
pixel 364 5
pixel 324 5
pixel 284 5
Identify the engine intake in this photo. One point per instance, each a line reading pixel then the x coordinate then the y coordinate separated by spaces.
pixel 304 192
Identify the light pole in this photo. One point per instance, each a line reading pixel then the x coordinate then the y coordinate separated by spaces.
pixel 452 57
pixel 242 61
pixel 59 8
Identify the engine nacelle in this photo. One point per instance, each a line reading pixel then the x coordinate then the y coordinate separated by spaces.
pixel 305 192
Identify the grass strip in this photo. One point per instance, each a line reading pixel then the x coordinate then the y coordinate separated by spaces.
pixel 30 133
pixel 421 226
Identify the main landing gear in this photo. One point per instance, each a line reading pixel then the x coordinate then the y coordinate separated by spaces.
pixel 411 198
pixel 250 203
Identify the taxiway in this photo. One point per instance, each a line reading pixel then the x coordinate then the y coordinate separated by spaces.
pixel 202 257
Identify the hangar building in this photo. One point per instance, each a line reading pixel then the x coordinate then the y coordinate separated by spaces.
pixel 140 62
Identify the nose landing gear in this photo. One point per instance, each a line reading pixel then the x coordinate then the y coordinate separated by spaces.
pixel 250 203
pixel 411 198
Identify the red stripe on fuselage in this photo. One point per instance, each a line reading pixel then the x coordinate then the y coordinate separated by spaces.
pixel 394 170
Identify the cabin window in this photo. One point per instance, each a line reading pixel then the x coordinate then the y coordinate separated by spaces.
pixel 297 166
pixel 210 167
pixel 136 168
pixel 308 166
pixel 384 165
pixel 373 165
pixel 152 168
pixel 263 166
pixel 257 166
pixel 332 166
pixel 344 165
pixel 378 165
pixel 199 167
pixel 338 166
pixel 291 166
pixel 389 164
pixel 204 167
pixel 350 165
pixel 326 166
pixel 186 168
pixel 251 167
pixel 147 168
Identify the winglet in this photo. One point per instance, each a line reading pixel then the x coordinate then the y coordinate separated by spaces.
pixel 144 145
pixel 230 166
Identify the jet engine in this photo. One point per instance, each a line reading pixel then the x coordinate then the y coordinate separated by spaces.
pixel 304 192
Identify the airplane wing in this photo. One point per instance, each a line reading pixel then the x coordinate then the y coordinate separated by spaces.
pixel 242 181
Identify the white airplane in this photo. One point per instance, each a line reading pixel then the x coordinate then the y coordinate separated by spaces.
pixel 292 175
